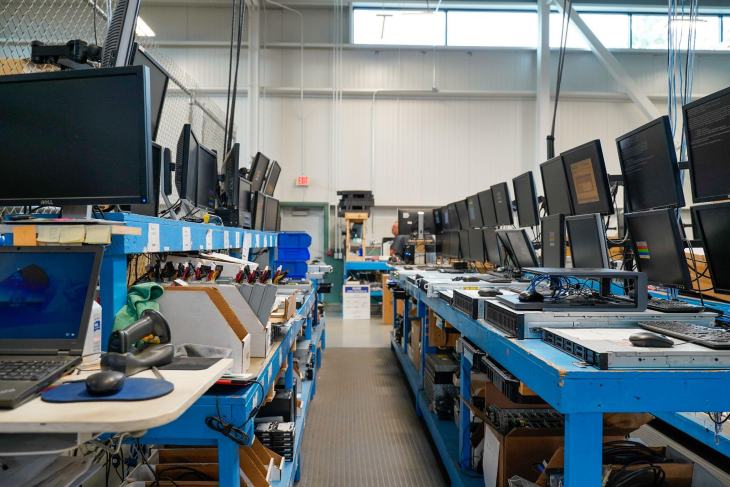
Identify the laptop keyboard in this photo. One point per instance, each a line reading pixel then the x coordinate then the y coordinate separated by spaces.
pixel 29 369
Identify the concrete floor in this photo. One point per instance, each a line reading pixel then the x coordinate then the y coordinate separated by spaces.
pixel 372 333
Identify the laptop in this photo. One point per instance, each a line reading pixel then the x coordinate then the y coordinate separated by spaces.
pixel 46 295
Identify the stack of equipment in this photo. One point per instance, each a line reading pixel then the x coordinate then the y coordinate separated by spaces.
pixel 278 437
pixel 438 383
pixel 355 201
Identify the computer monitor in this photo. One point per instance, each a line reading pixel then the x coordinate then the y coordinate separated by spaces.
pixel 119 40
pixel 272 178
pixel 244 203
pixel 186 164
pixel 271 214
pixel 658 247
pixel 502 204
pixel 463 213
pixel 555 187
pixel 452 217
pixel 486 204
pixel 258 203
pixel 464 244
pixel 158 85
pixel 474 212
pixel 587 237
pixel 526 198
pixel 408 221
pixel 152 207
pixel 587 179
pixel 207 190
pixel 476 245
pixel 451 244
pixel 649 167
pixel 553 240
pixel 712 221
pixel 167 177
pixel 257 172
pixel 706 125
pixel 231 176
pixel 76 137
pixel 519 248
pixel 438 224
pixel 493 246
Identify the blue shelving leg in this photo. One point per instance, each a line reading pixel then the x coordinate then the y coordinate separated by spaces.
pixel 298 472
pixel 464 413
pixel 289 375
pixel 324 338
pixel 583 450
pixel 228 473
pixel 308 328
pixel 406 324
pixel 113 292
pixel 423 313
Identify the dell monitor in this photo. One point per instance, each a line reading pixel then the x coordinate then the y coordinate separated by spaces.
pixel 502 204
pixel 152 207
pixel 555 187
pixel 474 212
pixel 257 173
pixel 271 214
pixel 476 245
pixel 486 204
pixel 207 181
pixel 158 85
pixel 587 179
pixel 649 167
pixel 493 246
pixel 553 241
pixel 464 244
pixel 272 178
pixel 77 137
pixel 587 237
pixel 518 247
pixel 707 128
pixel 712 224
pixel 258 203
pixel 526 198
pixel 658 247
pixel 463 214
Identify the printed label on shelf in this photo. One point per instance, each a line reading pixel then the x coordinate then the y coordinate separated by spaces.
pixel 257 241
pixel 187 239
pixel 246 246
pixel 153 237
pixel 238 240
pixel 209 240
pixel 226 239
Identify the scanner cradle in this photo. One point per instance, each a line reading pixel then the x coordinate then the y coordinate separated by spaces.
pixel 130 353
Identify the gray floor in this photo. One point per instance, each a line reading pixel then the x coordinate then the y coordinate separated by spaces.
pixel 362 429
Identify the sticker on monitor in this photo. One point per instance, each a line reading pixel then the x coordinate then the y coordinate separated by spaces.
pixel 642 248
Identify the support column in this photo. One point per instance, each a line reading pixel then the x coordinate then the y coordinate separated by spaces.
pixel 254 47
pixel 583 449
pixel 542 102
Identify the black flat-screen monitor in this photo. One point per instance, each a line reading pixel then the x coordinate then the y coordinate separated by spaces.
pixel 553 240
pixel 452 244
pixel 257 172
pixel 159 78
pixel 408 221
pixel 526 198
pixel 207 180
pixel 707 128
pixel 649 167
pixel 463 214
pixel 271 214
pixel 712 225
pixel 518 247
pixel 658 247
pixel 464 244
pixel 77 137
pixel 152 208
pixel 502 204
pixel 453 217
pixel 272 178
pixel 186 164
pixel 587 179
pixel 474 212
pixel 493 246
pixel 587 237
pixel 258 202
pixel 476 245
pixel 555 187
pixel 244 194
pixel 231 176
pixel 486 205
pixel 445 219
pixel 438 223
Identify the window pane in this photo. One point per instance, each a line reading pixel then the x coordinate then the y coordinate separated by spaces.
pixel 404 27
pixel 611 29
pixel 575 38
pixel 726 32
pixel 649 32
pixel 512 29
pixel 707 29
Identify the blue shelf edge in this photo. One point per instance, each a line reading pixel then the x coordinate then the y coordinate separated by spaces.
pixel 445 434
pixel 693 427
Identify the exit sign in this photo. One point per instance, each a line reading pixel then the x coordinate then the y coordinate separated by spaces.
pixel 302 181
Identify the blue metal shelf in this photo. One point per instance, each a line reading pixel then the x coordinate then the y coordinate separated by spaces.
pixel 695 428
pixel 366 265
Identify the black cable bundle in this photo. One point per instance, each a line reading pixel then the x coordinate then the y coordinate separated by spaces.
pixel 645 474
pixel 237 11
pixel 567 9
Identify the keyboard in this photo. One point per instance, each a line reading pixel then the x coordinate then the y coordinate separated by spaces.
pixel 29 369
pixel 710 337
pixel 672 306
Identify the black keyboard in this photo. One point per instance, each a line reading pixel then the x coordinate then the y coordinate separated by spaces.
pixel 29 369
pixel 672 306
pixel 707 336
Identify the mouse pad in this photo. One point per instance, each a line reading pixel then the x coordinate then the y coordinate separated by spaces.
pixel 134 389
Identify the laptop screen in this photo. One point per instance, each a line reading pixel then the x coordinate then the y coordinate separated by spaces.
pixel 43 294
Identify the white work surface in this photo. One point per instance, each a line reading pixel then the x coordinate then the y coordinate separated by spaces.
pixel 37 416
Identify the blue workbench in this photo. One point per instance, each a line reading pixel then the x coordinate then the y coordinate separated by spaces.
pixel 366 265
pixel 582 394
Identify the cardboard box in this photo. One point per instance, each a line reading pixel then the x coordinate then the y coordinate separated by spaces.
pixel 677 474
pixel 445 336
pixel 414 345
pixel 387 311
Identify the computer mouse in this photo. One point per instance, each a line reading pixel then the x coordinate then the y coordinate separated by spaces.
pixel 649 339
pixel 489 293
pixel 530 297
pixel 105 383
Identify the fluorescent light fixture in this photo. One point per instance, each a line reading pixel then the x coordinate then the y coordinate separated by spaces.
pixel 142 29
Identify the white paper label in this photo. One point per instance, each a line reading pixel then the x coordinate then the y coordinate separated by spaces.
pixel 209 240
pixel 238 240
pixel 153 237
pixel 187 239
pixel 226 239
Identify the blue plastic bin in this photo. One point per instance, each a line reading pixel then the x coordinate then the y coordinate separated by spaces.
pixel 294 240
pixel 292 255
pixel 296 270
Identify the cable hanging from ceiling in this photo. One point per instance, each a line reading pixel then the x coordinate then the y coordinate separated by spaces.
pixel 564 27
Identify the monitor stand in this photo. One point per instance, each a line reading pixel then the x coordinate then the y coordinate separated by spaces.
pixel 76 212
pixel 173 214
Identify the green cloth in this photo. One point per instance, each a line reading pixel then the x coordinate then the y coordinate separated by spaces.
pixel 139 298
